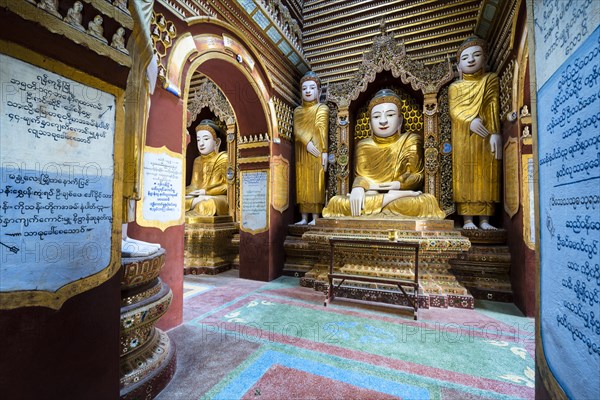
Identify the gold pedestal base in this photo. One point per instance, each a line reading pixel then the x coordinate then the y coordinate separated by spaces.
pixel 439 242
pixel 208 245
pixel 147 359
pixel 485 268
pixel 300 257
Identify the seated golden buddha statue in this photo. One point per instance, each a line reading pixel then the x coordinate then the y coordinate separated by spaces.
pixel 207 193
pixel 388 169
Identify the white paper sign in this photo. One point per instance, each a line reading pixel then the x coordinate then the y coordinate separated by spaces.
pixel 163 182
pixel 254 200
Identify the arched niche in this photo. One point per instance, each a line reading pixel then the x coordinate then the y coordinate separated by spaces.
pixel 207 101
pixel 237 73
pixel 387 65
pixel 220 52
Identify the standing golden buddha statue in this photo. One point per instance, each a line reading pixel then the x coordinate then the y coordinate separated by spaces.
pixel 311 126
pixel 206 194
pixel 388 169
pixel 476 140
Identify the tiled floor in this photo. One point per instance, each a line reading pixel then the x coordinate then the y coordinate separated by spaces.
pixel 248 339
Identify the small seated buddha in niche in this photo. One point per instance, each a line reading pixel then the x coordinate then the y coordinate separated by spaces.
pixel 73 16
pixel 95 28
pixel 51 6
pixel 118 40
pixel 388 169
pixel 207 193
pixel 122 5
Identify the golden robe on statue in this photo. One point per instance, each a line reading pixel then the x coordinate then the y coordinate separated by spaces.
pixel 395 158
pixel 475 169
pixel 311 123
pixel 209 173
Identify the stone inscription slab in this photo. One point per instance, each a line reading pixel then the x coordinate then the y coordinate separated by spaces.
pixel 254 201
pixel 569 193
pixel 162 188
pixel 56 191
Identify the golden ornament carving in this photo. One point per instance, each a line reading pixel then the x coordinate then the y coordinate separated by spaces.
pixel 511 176
pixel 280 183
pixel 208 94
pixel 389 55
pixel 284 115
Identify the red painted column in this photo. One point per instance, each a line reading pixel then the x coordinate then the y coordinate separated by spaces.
pixel 165 128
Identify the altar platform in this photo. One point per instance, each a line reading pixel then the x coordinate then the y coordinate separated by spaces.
pixel 439 242
pixel 209 247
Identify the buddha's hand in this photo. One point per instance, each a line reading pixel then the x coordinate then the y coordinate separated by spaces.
pixel 357 200
pixel 312 149
pixel 197 192
pixel 496 145
pixel 478 128
pixel 385 186
pixel 405 193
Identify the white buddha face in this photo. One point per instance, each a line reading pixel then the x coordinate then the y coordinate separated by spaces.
pixel 385 119
pixel 206 143
pixel 309 91
pixel 471 59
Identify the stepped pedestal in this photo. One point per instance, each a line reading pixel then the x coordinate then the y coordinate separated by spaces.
pixel 439 243
pixel 147 360
pixel 208 245
pixel 299 256
pixel 485 268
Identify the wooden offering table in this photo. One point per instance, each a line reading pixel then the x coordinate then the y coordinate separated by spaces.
pixel 388 277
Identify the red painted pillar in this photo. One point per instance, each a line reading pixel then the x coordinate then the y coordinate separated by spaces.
pixel 165 128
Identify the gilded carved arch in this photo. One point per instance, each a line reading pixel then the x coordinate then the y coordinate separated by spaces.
pixel 387 54
pixel 195 49
pixel 209 95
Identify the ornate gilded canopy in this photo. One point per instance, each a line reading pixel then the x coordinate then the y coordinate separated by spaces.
pixel 389 55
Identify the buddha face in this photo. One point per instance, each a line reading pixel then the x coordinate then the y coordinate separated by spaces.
pixel 206 142
pixel 471 59
pixel 385 119
pixel 309 91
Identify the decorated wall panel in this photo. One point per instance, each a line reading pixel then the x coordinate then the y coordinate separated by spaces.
pixel 567 55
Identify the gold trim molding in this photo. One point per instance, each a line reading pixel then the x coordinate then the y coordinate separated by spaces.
pixel 251 160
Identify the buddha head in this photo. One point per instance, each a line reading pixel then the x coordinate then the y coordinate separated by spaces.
pixel 471 55
pixel 310 85
pixel 384 111
pixel 207 137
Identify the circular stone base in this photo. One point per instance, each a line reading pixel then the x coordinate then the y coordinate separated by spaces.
pixel 149 371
